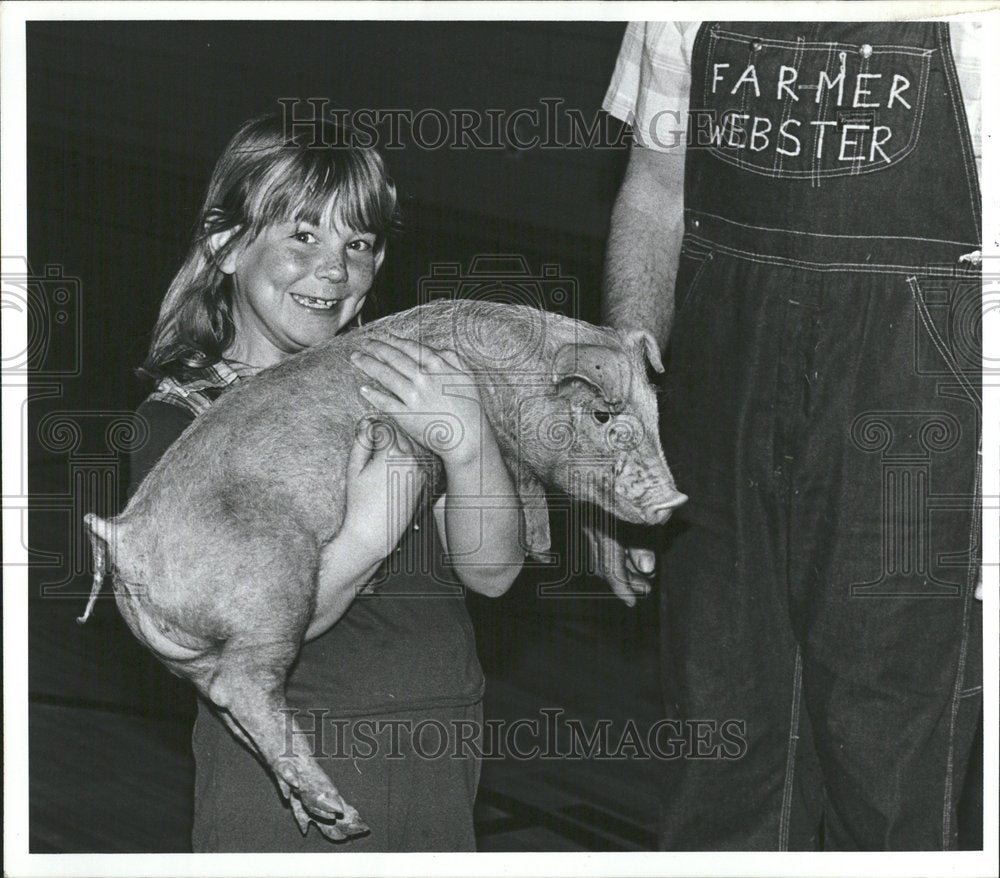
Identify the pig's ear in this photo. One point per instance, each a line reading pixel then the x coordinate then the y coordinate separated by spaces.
pixel 647 346
pixel 603 368
pixel 537 537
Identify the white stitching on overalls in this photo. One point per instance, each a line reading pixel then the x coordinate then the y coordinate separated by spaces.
pixel 709 55
pixel 692 287
pixel 865 267
pixel 823 44
pixel 938 342
pixel 784 820
pixel 741 162
pixel 823 111
pixel 856 162
pixel 828 235
pixel 949 780
pixel 954 91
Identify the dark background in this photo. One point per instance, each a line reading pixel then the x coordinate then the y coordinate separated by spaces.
pixel 125 121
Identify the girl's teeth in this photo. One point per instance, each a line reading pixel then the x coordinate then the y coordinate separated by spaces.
pixel 318 304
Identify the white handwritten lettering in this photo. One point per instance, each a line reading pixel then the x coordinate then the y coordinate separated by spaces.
pixel 860 90
pixel 783 130
pixel 755 133
pixel 899 84
pixel 819 136
pixel 735 130
pixel 748 75
pixel 838 87
pixel 716 79
pixel 877 144
pixel 838 81
pixel 846 142
pixel 785 83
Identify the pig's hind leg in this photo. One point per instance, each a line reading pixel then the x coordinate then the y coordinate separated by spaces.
pixel 249 684
pixel 265 584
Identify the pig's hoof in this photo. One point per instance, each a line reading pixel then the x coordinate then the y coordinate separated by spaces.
pixel 342 830
pixel 327 806
pixel 332 831
pixel 352 824
pixel 302 817
pixel 332 815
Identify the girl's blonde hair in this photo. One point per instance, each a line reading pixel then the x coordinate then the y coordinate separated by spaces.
pixel 264 176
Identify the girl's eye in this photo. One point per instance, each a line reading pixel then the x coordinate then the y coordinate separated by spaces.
pixel 304 237
pixel 602 417
pixel 361 245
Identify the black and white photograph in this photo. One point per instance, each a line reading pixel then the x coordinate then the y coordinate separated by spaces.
pixel 544 439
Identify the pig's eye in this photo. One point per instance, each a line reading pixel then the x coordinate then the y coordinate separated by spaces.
pixel 602 417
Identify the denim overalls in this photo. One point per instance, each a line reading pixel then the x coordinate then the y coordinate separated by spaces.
pixel 822 411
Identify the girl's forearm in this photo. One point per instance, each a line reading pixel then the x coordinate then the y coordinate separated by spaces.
pixel 347 563
pixel 482 515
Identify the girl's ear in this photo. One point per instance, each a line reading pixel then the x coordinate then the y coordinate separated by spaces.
pixel 217 244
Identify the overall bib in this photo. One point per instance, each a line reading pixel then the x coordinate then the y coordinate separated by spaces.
pixel 822 411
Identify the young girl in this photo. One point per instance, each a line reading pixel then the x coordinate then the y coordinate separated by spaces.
pixel 289 241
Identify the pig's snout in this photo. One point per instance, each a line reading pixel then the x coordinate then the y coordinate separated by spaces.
pixel 659 513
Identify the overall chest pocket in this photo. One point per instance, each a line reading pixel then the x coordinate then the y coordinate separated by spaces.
pixel 793 108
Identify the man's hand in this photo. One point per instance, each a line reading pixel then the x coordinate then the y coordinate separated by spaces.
pixel 640 561
pixel 628 570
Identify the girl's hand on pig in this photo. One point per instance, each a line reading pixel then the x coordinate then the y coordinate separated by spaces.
pixel 375 518
pixel 429 394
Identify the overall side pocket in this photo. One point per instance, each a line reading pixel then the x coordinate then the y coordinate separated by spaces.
pixel 690 272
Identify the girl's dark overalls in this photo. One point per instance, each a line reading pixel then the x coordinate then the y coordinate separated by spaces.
pixel 823 414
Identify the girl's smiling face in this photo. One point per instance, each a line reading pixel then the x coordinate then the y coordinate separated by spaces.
pixel 295 285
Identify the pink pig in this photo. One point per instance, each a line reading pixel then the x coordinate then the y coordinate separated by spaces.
pixel 208 557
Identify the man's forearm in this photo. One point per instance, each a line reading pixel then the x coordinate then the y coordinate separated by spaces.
pixel 647 226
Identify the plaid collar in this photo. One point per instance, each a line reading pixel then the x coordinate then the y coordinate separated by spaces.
pixel 198 388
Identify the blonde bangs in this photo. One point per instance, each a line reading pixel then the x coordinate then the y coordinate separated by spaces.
pixel 321 185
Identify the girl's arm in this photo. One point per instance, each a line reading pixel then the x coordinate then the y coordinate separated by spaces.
pixel 372 526
pixel 478 519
